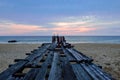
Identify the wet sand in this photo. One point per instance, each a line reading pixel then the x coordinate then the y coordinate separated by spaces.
pixel 106 55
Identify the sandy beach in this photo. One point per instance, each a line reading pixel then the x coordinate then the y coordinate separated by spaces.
pixel 106 55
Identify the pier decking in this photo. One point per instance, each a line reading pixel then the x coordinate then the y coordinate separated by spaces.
pixel 55 61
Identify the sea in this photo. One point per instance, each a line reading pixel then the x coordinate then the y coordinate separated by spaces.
pixel 69 39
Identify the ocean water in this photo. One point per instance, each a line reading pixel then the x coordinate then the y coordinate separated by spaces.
pixel 70 39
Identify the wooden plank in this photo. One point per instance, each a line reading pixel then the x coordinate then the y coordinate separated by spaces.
pixel 10 65
pixel 69 56
pixel 52 46
pixel 28 53
pixel 21 78
pixel 89 71
pixel 67 71
pixel 99 76
pixel 85 57
pixel 101 72
pixel 19 74
pixel 76 55
pixel 11 78
pixel 80 73
pixel 32 66
pixel 10 71
pixel 36 57
pixel 37 53
pixel 31 74
pixel 79 56
pixel 37 60
pixel 17 60
pixel 55 72
pixel 17 78
pixel 43 70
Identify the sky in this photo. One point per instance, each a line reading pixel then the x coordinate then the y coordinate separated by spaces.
pixel 63 17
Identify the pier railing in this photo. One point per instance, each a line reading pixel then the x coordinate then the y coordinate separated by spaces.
pixel 55 61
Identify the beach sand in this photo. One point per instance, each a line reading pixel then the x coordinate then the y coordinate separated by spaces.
pixel 106 55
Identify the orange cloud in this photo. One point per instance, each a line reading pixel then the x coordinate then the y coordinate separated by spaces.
pixel 74 27
pixel 85 29
pixel 16 29
pixel 72 30
pixel 26 28
pixel 70 23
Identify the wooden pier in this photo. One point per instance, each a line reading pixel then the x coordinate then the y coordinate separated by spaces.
pixel 57 60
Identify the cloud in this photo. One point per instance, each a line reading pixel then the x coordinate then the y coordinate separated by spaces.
pixel 68 23
pixel 84 25
pixel 87 21
pixel 72 30
pixel 76 21
pixel 10 28
pixel 74 25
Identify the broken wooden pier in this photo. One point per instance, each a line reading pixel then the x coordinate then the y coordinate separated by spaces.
pixel 55 61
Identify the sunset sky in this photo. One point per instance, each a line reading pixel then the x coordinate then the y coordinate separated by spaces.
pixel 63 17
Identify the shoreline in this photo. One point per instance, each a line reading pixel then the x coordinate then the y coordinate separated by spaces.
pixel 106 55
pixel 74 43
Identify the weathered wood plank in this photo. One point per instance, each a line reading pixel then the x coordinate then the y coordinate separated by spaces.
pixel 37 60
pixel 101 72
pixel 55 72
pixel 31 74
pixel 69 56
pixel 17 60
pixel 76 55
pixel 99 76
pixel 28 53
pixel 11 78
pixel 38 51
pixel 10 71
pixel 36 57
pixel 80 73
pixel 43 70
pixel 87 59
pixel 89 71
pixel 67 71
pixel 79 56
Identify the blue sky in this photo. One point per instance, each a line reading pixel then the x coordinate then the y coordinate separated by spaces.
pixel 47 17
